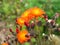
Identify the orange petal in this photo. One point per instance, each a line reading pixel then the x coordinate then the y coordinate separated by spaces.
pixel 20 21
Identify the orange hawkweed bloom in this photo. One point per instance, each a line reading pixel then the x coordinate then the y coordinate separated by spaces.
pixel 20 21
pixel 37 12
pixel 4 43
pixel 21 36
pixel 25 14
pixel 30 14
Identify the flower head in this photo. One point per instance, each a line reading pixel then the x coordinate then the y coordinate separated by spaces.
pixel 37 12
pixel 20 21
pixel 30 14
pixel 21 36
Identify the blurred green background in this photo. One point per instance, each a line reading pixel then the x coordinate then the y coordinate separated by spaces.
pixel 10 9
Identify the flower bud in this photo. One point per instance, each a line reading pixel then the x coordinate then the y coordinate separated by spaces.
pixel 10 30
pixel 26 24
pixel 32 25
pixel 46 17
pixel 17 30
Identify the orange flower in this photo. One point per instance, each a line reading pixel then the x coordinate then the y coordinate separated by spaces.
pixel 20 21
pixel 4 43
pixel 30 14
pixel 25 14
pixel 21 36
pixel 37 12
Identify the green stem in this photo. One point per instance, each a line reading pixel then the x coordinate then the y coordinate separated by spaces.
pixel 39 35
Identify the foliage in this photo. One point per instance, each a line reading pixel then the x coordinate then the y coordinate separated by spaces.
pixel 16 7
